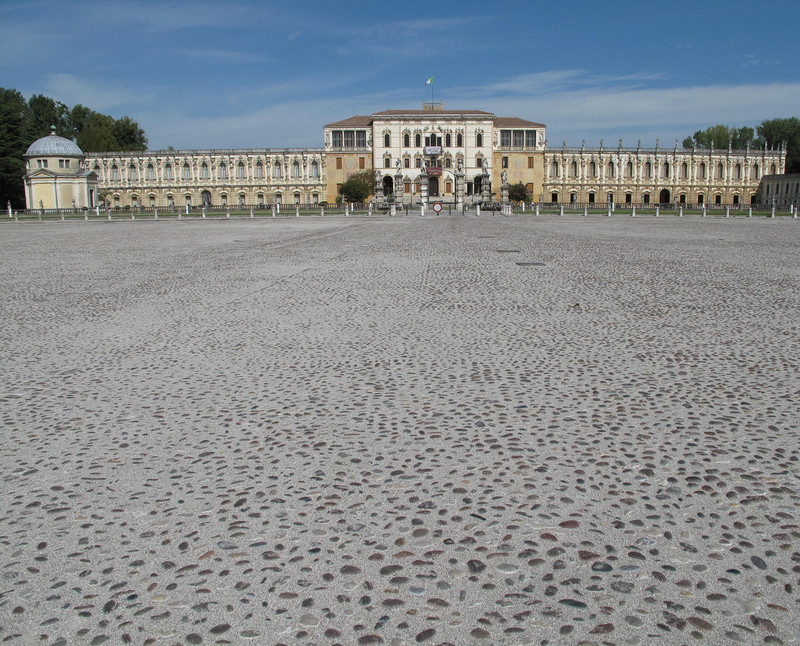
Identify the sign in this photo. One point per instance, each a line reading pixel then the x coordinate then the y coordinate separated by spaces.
pixel 436 171
pixel 437 207
pixel 433 150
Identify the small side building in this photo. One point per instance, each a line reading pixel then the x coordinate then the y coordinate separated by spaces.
pixel 780 190
pixel 56 177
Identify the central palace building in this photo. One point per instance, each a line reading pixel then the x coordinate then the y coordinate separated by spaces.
pixel 444 146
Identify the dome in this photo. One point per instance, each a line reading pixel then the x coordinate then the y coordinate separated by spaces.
pixel 53 146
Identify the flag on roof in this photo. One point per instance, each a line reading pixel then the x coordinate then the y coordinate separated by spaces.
pixel 429 81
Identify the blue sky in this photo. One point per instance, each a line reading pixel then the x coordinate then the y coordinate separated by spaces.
pixel 248 74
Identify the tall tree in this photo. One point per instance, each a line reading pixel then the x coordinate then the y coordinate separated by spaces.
pixel 721 136
pixel 13 144
pixel 43 113
pixel 129 135
pixel 359 186
pixel 777 131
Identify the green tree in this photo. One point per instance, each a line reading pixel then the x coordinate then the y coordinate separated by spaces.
pixel 518 193
pixel 777 131
pixel 43 113
pixel 97 134
pixel 13 144
pixel 128 135
pixel 721 136
pixel 359 186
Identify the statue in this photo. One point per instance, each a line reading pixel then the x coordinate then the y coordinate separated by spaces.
pixel 504 177
pixel 460 165
pixel 398 163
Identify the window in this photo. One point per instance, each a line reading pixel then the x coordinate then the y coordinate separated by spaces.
pixel 171 201
pixel 702 172
pixel 554 197
pixel 646 198
pixel 224 199
pixel 519 138
pixel 592 169
pixel 241 199
pixel 337 138
pixel 479 140
pixel 362 162
pixel 314 169
pixel 736 199
pixel 755 171
pixel 447 141
pixel 530 162
pixel 296 170
pixel 223 171
pixel 591 198
pixel 240 171
pixel 278 170
pixel 505 138
pixel 682 198
pixel 338 163
pixel 684 170
pixel 349 139
pixel 361 138
pixel 406 187
pixel 629 169
pixel 407 140
pixel 114 172
pixel 737 172
pixel 63 163
pixel 407 163
pixel 573 169
pixel 315 198
pixel 152 201
pixel 720 171
pixel 530 139
pixel 529 189
pixel 418 140
pixel 151 172
pixel 168 171
pixel 718 199
pixel 648 170
pixel 573 198
pixel 387 140
pixel 459 140
pixel 188 200
pixel 260 198
pixel 628 198
pixel 772 169
pixel 297 198
pixel 505 162
pixel 259 169
pixel 418 163
pixel 479 162
pixel 448 163
pixel 42 163
pixel 132 175
pixel 204 171
pixel 611 169
pixel 700 198
pixel 187 173
pixel 666 169
pixel 554 168
pixel 387 163
pixel 448 187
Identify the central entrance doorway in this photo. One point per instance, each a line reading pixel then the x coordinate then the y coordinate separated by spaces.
pixel 663 196
pixel 433 186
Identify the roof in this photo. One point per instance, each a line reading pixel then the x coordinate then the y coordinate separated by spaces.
pixel 433 113
pixel 515 122
pixel 53 145
pixel 360 121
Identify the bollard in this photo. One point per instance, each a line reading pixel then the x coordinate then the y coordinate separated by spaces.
pixel 322 211
pixel 680 212
pixel 608 215
pixel 727 211
pixel 297 210
pixel 561 212
pixel 772 213
pixel 155 214
pixel 633 212
pixel 273 209
pixel 750 212
pixel 228 213
pixel 251 211
pixel 537 209
pixel 704 211
pixel 585 211
pixel 422 210
pixel 393 210
pixel 657 208
pixel 61 213
pixel 478 211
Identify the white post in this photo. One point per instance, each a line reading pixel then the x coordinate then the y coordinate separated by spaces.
pixel 393 211
pixel 772 213
pixel 228 212
pixel 187 209
pixel 680 212
pixel 369 209
pixel 478 211
pixel 727 211
pixel 704 210
pixel 204 213
pixel 251 211
pixel 585 211
pixel 273 209
pixel 346 212
pixel 657 209
pixel 155 214
pixel 750 212
pixel 633 211
pixel 561 212
pixel 422 210
pixel 97 210
pixel 297 210
pixel 608 215
pixel 86 214
pixel 322 211
pixel 537 208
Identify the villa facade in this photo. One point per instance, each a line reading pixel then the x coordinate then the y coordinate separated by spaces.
pixel 456 152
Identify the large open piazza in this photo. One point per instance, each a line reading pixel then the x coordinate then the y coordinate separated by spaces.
pixel 373 430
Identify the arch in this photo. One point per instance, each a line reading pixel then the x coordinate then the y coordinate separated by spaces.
pixel 592 169
pixel 433 186
pixel 314 169
pixel 702 173
pixel 611 169
pixel 388 185
pixel 240 170
pixel 459 140
pixel 259 170
pixel 296 169
pixel 666 169
pixel 684 170
pixel 407 140
pixel 205 198
pixel 648 170
pixel 573 169
pixel 387 140
pixel 554 168
pixel 663 196
pixel 204 171
pixel 477 184
pixel 629 169
pixel 479 140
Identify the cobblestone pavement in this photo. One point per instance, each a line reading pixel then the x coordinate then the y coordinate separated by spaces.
pixel 397 431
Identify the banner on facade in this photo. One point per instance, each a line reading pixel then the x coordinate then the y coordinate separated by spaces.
pixel 434 170
pixel 433 150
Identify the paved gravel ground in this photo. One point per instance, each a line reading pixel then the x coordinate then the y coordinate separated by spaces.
pixel 397 431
